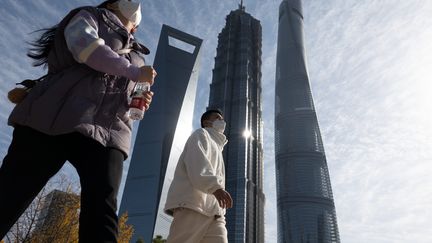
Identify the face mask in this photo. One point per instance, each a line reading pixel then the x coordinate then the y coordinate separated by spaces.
pixel 130 10
pixel 219 125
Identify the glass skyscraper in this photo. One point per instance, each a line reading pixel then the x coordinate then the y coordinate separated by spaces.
pixel 162 133
pixel 306 211
pixel 236 90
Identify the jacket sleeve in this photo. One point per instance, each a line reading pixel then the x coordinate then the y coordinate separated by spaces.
pixel 81 35
pixel 199 168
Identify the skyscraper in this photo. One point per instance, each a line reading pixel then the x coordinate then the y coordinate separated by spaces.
pixel 306 211
pixel 162 133
pixel 236 90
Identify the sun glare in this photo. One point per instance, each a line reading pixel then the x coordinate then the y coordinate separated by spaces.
pixel 247 133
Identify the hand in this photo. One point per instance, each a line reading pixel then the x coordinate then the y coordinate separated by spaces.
pixel 148 96
pixel 147 74
pixel 224 198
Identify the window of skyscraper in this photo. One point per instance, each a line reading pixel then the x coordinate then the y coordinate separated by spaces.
pixel 179 44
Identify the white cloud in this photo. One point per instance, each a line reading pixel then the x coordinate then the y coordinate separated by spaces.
pixel 369 64
pixel 365 59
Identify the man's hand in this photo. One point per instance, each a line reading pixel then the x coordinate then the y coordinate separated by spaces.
pixel 224 198
pixel 148 96
pixel 147 74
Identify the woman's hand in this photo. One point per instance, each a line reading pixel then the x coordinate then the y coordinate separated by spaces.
pixel 148 96
pixel 147 74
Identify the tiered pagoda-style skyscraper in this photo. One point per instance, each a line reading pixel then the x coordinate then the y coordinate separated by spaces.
pixel 306 211
pixel 236 90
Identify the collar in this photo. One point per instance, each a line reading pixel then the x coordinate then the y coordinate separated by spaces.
pixel 114 22
pixel 218 137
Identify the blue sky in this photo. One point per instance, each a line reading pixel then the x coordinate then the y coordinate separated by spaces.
pixel 370 66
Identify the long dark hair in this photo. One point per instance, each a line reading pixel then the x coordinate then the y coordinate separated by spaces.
pixel 41 47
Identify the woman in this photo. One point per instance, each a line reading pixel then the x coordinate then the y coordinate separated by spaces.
pixel 78 113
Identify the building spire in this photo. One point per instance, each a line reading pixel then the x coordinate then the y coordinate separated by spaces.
pixel 241 6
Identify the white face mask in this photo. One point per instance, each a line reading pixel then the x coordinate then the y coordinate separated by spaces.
pixel 219 125
pixel 130 10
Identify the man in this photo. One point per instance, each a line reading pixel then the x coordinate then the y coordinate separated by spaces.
pixel 78 112
pixel 197 198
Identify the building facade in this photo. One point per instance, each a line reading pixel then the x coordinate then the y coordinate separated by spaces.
pixel 236 90
pixel 162 133
pixel 306 210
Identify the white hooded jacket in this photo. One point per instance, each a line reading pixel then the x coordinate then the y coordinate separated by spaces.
pixel 200 171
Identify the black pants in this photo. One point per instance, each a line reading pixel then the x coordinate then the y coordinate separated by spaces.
pixel 34 157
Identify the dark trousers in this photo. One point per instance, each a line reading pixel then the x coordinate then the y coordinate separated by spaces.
pixel 34 157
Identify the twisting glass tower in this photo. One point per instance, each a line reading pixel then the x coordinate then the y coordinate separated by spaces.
pixel 236 90
pixel 306 211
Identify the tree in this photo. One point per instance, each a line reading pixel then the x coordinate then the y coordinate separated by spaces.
pixel 54 217
pixel 125 230
pixel 21 230
pixel 58 221
pixel 24 230
pixel 65 227
pixel 159 239
pixel 140 240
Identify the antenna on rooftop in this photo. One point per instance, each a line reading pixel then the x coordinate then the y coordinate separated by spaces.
pixel 241 6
